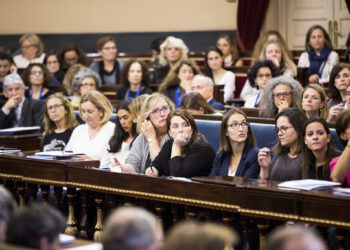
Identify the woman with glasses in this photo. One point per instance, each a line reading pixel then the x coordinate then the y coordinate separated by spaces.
pixel 279 94
pixel 238 153
pixel 187 153
pixel 152 127
pixel 32 50
pixel 92 137
pixel 318 151
pixel 214 68
pixel 109 67
pixel 287 152
pixel 134 79
pixel 84 81
pixel 258 76
pixel 59 121
pixel 37 77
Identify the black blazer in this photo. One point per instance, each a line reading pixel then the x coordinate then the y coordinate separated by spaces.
pixel 32 114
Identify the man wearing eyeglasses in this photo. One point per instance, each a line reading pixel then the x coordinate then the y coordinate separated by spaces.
pixel 205 86
pixel 19 111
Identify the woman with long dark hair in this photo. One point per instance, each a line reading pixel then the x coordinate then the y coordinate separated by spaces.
pixel 121 141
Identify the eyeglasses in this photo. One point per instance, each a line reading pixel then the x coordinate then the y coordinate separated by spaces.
pixel 26 46
pixel 56 106
pixel 110 48
pixel 88 85
pixel 35 72
pixel 235 125
pixel 282 129
pixel 164 109
pixel 261 76
pixel 284 94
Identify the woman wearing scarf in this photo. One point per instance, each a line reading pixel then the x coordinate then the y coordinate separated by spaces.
pixel 319 56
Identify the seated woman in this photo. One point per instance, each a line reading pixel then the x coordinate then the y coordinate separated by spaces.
pixel 313 102
pixel 171 51
pixel 340 166
pixel 135 80
pixel 120 143
pixel 275 52
pixel 268 36
pixel 238 154
pixel 280 93
pixel 71 54
pixel 109 67
pixel 92 137
pixel 68 80
pixel 194 103
pixel 319 57
pixel 153 133
pixel 318 151
pixel 53 65
pixel 284 166
pixel 135 107
pixel 213 68
pixel 186 154
pixel 37 77
pixel 59 121
pixel 178 81
pixel 226 43
pixel 338 82
pixel 32 51
pixel 258 76
pixel 85 80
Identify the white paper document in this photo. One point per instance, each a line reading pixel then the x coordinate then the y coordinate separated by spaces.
pixel 309 184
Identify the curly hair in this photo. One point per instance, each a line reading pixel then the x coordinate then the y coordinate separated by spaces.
pixel 71 47
pixel 26 74
pixel 145 81
pixel 327 40
pixel 81 75
pixel 177 42
pixel 267 104
pixel 286 61
pixel 253 71
pixel 172 80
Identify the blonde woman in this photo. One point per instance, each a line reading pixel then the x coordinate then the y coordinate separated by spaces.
pixel 171 51
pixel 92 137
pixel 314 102
pixel 59 121
pixel 32 51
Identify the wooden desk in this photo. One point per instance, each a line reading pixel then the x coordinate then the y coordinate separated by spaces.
pixel 25 142
pixel 177 199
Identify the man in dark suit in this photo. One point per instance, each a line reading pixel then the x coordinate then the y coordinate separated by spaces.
pixel 205 86
pixel 19 111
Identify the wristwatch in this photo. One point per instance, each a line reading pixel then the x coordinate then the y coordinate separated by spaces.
pixel 149 140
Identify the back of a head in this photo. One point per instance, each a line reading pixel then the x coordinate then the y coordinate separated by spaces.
pixel 8 206
pixel 191 235
pixel 30 224
pixel 130 228
pixel 294 238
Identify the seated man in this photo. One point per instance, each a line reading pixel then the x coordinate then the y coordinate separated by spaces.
pixel 19 111
pixel 6 62
pixel 37 226
pixel 131 228
pixel 205 86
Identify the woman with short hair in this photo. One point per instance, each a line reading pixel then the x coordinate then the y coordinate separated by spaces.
pixel 92 137
pixel 32 51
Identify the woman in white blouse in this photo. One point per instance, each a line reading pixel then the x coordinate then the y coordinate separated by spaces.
pixel 319 57
pixel 213 68
pixel 92 137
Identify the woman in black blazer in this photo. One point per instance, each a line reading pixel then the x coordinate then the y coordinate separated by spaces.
pixel 238 155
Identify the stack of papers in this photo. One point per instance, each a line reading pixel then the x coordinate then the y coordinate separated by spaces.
pixel 309 184
pixel 9 150
pixel 57 154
